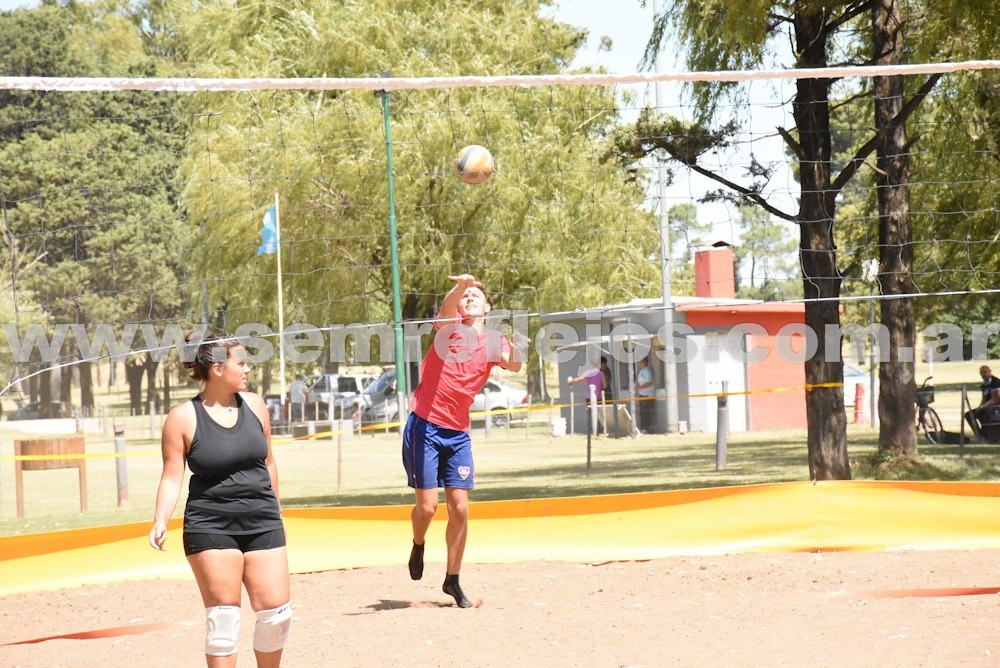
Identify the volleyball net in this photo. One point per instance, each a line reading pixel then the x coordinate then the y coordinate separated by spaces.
pixel 136 210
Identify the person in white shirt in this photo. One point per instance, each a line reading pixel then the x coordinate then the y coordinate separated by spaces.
pixel 645 390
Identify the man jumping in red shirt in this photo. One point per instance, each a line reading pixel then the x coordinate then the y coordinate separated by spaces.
pixel 437 449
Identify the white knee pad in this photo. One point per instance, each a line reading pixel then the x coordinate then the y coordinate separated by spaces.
pixel 223 630
pixel 271 630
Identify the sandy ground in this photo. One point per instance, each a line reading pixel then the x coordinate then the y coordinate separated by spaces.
pixel 908 608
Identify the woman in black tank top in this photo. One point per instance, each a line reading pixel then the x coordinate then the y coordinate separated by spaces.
pixel 233 532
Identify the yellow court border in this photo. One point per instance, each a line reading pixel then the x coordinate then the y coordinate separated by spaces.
pixel 783 517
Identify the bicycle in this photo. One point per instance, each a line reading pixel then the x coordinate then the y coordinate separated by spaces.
pixel 927 417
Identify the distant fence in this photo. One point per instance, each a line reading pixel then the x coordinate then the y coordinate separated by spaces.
pixel 136 426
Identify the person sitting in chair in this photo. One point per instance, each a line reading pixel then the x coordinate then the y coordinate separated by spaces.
pixel 991 397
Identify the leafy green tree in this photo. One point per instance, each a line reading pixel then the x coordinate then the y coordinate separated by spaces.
pixel 897 415
pixel 719 36
pixel 914 253
pixel 89 179
pixel 958 165
pixel 552 230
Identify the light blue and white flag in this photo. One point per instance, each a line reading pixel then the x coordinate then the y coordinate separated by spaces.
pixel 268 234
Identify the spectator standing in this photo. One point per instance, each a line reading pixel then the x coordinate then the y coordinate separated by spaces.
pixel 298 395
pixel 606 380
pixel 645 390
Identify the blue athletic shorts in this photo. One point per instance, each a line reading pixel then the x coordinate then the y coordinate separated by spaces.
pixel 435 457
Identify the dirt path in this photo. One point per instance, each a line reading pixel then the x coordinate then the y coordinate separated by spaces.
pixel 839 609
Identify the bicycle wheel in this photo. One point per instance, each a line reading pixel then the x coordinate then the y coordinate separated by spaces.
pixel 931 423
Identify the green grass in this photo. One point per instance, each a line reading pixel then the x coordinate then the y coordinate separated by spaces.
pixel 366 470
pixel 524 462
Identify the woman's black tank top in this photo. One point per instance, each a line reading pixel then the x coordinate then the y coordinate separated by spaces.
pixel 230 487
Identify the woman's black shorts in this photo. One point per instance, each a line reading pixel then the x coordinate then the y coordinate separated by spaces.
pixel 266 540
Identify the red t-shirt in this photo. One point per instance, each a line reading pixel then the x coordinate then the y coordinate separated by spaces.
pixel 454 369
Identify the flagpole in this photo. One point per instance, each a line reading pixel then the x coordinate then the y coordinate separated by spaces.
pixel 281 306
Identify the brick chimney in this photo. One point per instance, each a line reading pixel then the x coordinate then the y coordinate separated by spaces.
pixel 714 269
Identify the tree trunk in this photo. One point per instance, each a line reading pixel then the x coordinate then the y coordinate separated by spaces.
pixel 133 376
pixel 265 380
pixel 45 394
pixel 86 388
pixel 66 391
pixel 827 421
pixel 897 416
pixel 152 397
pixel 166 388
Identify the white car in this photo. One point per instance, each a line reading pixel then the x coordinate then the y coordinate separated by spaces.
pixel 854 376
pixel 327 387
pixel 501 399
pixel 377 403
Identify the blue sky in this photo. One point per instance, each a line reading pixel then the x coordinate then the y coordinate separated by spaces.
pixel 624 21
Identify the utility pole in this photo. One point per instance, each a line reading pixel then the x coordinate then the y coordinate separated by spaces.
pixel 666 266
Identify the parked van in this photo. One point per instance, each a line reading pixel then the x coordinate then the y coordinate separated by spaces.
pixel 376 404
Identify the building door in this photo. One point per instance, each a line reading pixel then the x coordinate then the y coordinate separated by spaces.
pixel 713 363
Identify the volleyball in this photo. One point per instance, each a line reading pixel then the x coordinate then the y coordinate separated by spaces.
pixel 474 164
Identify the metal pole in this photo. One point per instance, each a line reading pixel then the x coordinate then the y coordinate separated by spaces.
pixel 631 386
pixel 120 469
pixel 204 303
pixel 572 412
pixel 871 369
pixel 488 418
pixel 669 365
pixel 340 456
pixel 722 427
pixel 397 311
pixel 281 302
pixel 961 417
pixel 592 409
pixel 590 428
pixel 527 419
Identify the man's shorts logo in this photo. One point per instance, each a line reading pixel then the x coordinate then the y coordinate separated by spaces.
pixel 464 471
